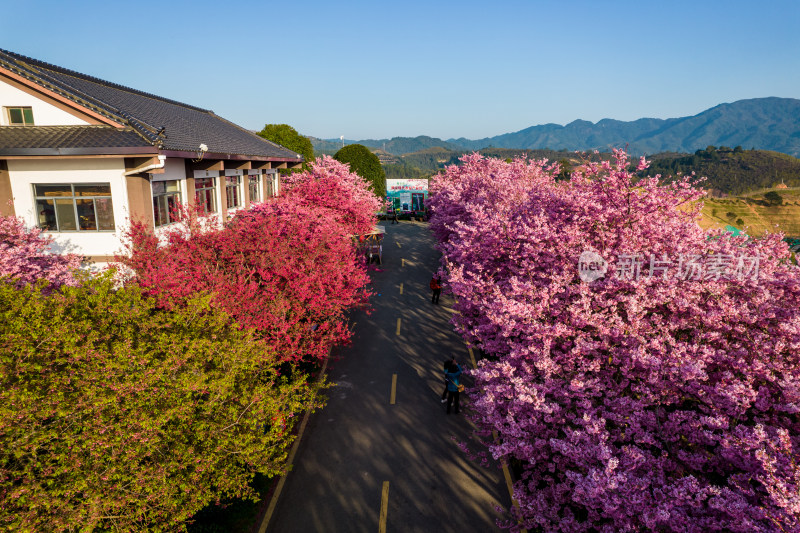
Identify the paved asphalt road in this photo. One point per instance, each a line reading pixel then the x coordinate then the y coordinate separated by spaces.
pixel 360 444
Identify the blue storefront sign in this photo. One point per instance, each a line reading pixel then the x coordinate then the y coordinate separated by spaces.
pixel 406 196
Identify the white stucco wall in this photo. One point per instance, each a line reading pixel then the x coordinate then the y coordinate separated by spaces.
pixel 23 173
pixel 44 114
pixel 174 169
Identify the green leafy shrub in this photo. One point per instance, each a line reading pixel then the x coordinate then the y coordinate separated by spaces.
pixel 117 415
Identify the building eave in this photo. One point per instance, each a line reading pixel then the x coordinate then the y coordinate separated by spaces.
pixel 30 153
pixel 221 156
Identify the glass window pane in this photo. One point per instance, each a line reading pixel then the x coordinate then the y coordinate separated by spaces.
pixel 53 190
pixel 173 203
pixel 15 115
pixel 46 214
pixel 205 199
pixel 105 213
pixel 172 186
pixel 201 183
pixel 232 196
pixel 160 211
pixel 156 215
pixel 27 113
pixel 158 187
pixel 86 214
pixel 65 213
pixel 93 190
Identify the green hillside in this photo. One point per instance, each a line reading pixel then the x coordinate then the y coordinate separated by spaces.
pixel 730 170
pixel 425 163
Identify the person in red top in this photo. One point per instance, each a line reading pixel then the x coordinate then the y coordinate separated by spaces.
pixel 436 287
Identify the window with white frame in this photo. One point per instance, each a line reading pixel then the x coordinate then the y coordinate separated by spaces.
pixel 271 189
pixel 19 116
pixel 233 193
pixel 205 193
pixel 254 187
pixel 74 207
pixel 166 202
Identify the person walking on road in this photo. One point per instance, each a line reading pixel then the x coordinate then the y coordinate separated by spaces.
pixel 446 368
pixel 453 376
pixel 436 287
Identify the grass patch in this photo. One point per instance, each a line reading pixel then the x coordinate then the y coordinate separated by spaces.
pixel 756 214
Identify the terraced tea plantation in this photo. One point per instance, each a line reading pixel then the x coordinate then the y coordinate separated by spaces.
pixel 754 213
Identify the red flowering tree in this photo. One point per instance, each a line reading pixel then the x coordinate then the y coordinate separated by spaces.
pixel 25 255
pixel 285 268
pixel 663 395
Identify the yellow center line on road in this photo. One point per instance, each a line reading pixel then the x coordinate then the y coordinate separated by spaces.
pixel 401 288
pixel 399 322
pixel 394 389
pixel 398 245
pixel 384 507
pixel 403 261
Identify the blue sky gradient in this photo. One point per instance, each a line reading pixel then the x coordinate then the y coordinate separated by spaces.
pixel 445 69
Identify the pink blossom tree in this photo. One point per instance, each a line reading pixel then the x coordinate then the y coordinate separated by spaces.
pixel 658 401
pixel 25 255
pixel 331 185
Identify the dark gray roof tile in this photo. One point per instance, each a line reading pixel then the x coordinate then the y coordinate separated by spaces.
pixel 185 126
pixel 50 140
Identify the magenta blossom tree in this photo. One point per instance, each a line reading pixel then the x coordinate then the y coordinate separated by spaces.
pixel 646 399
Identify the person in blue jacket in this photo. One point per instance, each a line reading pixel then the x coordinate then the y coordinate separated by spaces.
pixel 453 376
pixel 446 367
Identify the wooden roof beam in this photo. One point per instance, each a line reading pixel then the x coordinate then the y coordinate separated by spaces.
pixel 134 164
pixel 209 164
pixel 233 164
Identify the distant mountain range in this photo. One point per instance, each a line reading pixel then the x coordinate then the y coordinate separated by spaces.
pixel 762 123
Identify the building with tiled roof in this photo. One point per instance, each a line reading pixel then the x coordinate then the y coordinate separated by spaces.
pixel 80 157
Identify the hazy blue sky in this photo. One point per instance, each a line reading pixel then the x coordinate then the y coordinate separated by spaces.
pixel 406 68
